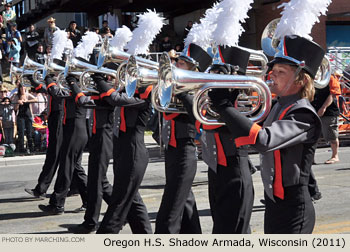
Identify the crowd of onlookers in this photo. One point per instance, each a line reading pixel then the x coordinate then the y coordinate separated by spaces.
pixel 23 115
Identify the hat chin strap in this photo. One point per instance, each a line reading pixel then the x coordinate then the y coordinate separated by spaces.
pixel 301 66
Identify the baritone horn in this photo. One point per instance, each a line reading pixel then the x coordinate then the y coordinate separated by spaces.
pixel 38 68
pixel 80 65
pixel 140 72
pixel 269 44
pixel 172 81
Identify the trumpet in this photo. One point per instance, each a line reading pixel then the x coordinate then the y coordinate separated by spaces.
pixel 138 73
pixel 173 81
pixel 269 43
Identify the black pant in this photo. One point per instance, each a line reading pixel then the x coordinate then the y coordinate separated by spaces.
pixel 130 159
pixel 24 125
pixel 52 152
pixel 313 187
pixel 295 214
pixel 98 187
pixel 231 196
pixel 74 141
pixel 178 210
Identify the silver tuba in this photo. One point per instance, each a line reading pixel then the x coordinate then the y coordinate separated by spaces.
pixel 173 81
pixel 20 73
pixel 140 72
pixel 110 54
pixel 269 43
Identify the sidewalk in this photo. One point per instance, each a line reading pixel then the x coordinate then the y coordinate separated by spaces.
pixel 151 145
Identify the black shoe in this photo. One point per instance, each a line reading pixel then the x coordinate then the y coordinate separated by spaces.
pixel 52 210
pixel 316 196
pixel 35 193
pixel 80 209
pixel 82 229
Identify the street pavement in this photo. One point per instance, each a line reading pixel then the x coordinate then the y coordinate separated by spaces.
pixel 19 212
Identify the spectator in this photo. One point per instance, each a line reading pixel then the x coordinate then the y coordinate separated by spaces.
pixel 39 56
pixel 178 48
pixel 104 27
pixel 24 117
pixel 187 28
pixel 7 119
pixel 15 33
pixel 73 33
pixel 326 105
pixel 3 92
pixel 1 80
pixel 40 131
pixel 38 107
pixel 13 50
pixel 9 17
pixel 165 45
pixel 49 31
pixel 107 33
pixel 32 41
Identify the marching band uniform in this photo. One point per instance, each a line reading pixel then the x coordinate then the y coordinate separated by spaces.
pixel 55 116
pixel 101 151
pixel 231 193
pixel 178 211
pixel 287 143
pixel 74 141
pixel 130 159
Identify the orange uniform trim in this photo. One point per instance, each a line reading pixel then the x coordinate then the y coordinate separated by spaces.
pixel 145 94
pixel 122 119
pixel 39 87
pixel 251 139
pixel 94 124
pixel 78 96
pixel 108 93
pixel 51 84
pixel 65 112
pixel 170 116
pixel 172 141
pixel 278 189
pixel 95 97
pixel 221 158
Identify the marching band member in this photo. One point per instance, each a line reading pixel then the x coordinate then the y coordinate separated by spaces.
pixel 130 159
pixel 230 185
pixel 287 140
pixel 178 211
pixel 74 141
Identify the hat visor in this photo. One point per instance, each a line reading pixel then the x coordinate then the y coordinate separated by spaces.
pixel 281 61
pixel 187 59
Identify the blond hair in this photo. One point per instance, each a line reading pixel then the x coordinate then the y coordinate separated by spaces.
pixel 308 87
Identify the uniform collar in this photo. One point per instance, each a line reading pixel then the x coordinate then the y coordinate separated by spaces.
pixel 288 99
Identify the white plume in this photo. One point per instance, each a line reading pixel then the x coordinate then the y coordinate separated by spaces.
pixel 122 36
pixel 228 25
pixel 148 26
pixel 86 45
pixel 59 41
pixel 299 16
pixel 202 34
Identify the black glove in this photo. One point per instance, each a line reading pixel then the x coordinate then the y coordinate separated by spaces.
pixel 49 79
pixel 71 80
pixel 220 69
pixel 101 84
pixel 222 97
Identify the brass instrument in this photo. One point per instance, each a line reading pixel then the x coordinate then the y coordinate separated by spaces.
pixel 172 81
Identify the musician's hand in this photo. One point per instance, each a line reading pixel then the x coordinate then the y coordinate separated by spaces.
pixel 97 77
pixel 222 97
pixel 71 80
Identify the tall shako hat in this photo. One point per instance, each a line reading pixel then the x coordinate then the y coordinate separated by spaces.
pixel 227 32
pixel 199 40
pixel 296 46
pixel 197 56
pixel 236 57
